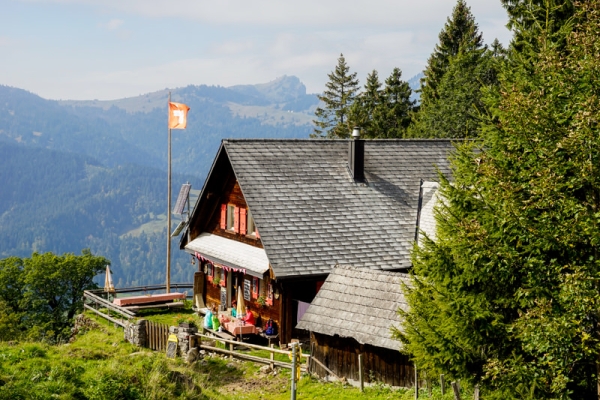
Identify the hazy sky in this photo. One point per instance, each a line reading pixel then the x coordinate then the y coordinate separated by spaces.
pixel 108 49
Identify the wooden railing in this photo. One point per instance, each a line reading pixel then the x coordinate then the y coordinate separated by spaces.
pixel 232 353
pixel 147 288
pixel 100 303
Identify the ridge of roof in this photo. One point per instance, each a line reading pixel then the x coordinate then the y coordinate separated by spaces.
pixel 308 140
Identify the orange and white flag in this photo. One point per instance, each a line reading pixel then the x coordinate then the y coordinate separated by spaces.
pixel 178 115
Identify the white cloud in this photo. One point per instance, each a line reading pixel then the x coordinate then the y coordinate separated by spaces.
pixel 242 42
pixel 113 24
pixel 333 13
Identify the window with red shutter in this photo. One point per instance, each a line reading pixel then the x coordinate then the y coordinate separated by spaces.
pixel 243 221
pixel 223 216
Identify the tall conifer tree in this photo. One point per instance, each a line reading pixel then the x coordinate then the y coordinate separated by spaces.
pixel 341 89
pixel 460 28
pixel 508 293
pixel 528 18
pixel 365 112
pixel 451 88
pixel 397 105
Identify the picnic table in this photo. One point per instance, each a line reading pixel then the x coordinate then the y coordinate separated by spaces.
pixel 237 326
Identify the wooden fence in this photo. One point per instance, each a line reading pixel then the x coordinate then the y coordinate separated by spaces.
pixel 202 339
pixel 157 335
pixel 94 303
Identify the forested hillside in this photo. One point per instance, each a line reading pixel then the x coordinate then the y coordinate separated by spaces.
pixel 60 202
pixel 92 174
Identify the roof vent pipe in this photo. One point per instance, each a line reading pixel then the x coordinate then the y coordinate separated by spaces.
pixel 356 156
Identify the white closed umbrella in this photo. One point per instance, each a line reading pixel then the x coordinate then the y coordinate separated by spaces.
pixel 108 283
pixel 241 307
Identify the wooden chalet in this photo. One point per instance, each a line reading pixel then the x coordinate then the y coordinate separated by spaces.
pixel 275 216
pixel 353 314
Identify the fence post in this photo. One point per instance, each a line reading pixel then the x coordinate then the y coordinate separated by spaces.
pixel 360 373
pixel 416 383
pixel 476 393
pixel 294 361
pixel 442 384
pixel 272 357
pixel 456 390
pixel 231 350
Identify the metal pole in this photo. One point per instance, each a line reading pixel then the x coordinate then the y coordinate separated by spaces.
pixel 294 370
pixel 168 283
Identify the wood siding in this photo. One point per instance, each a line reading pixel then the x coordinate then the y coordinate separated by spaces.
pixel 213 297
pixel 379 364
pixel 231 195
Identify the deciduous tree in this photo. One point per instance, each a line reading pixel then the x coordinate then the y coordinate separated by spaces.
pixel 42 294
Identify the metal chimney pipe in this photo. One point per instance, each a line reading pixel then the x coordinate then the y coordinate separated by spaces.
pixel 356 156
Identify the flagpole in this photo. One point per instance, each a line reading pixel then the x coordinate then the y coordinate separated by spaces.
pixel 168 284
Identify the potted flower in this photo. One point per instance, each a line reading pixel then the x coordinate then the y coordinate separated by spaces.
pixel 261 301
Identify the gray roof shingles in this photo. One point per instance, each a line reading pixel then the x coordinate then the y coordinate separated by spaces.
pixel 302 196
pixel 358 303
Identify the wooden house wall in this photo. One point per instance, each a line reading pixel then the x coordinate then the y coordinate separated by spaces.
pixel 261 313
pixel 379 364
pixel 231 195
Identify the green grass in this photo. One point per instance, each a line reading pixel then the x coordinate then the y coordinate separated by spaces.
pixel 99 364
pixel 171 317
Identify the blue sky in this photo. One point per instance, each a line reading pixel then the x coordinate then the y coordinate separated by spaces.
pixel 109 49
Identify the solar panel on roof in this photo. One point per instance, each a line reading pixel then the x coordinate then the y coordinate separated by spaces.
pixel 182 198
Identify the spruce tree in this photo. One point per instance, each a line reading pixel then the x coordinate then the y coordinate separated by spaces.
pixel 460 28
pixel 527 19
pixel 458 110
pixel 451 88
pixel 397 106
pixel 507 295
pixel 364 112
pixel 331 119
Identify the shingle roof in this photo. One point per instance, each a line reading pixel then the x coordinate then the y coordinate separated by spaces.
pixel 358 303
pixel 312 215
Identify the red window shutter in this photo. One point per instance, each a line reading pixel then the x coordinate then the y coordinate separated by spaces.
pixel 236 220
pixel 243 221
pixel 223 216
pixel 254 288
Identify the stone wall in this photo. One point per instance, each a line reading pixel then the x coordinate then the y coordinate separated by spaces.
pixel 135 332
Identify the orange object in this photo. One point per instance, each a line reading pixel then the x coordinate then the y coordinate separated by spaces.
pixel 178 115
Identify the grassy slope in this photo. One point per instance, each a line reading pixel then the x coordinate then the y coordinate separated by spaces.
pixel 99 364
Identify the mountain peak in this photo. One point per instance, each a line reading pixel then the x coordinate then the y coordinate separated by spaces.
pixel 281 90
